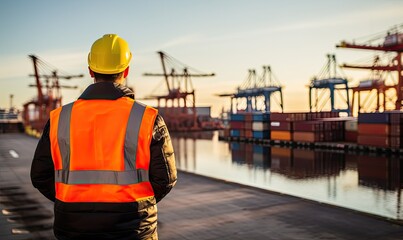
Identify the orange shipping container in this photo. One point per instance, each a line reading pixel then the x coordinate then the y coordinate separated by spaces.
pixel 373 129
pixel 307 136
pixel 281 135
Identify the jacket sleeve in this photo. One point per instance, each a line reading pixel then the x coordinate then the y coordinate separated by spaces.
pixel 42 170
pixel 162 163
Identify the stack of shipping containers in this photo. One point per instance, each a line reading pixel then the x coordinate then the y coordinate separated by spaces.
pixel 308 131
pixel 250 125
pixel 261 126
pixel 282 125
pixel 374 129
pixel 307 127
pixel 382 130
pixel 237 125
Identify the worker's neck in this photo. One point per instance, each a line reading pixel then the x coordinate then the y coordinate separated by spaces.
pixel 120 81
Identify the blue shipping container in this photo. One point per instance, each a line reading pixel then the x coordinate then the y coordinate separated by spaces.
pixel 374 117
pixel 261 117
pixel 235 133
pixel 237 117
pixel 261 134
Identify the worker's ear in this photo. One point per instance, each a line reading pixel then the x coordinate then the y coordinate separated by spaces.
pixel 91 72
pixel 126 73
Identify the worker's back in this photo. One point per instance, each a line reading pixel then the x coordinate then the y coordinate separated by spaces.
pixel 102 158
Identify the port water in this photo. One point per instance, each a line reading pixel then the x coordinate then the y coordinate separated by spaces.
pixel 370 183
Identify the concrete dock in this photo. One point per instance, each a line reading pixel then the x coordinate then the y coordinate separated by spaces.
pixel 197 208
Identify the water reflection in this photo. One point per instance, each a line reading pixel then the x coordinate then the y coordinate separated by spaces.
pixel 303 163
pixel 253 155
pixel 369 183
pixel 383 172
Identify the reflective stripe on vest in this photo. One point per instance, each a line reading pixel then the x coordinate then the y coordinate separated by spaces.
pixel 130 175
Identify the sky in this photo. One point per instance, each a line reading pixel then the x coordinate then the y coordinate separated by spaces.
pixel 226 37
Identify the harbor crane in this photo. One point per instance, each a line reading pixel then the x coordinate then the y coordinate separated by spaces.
pixel 36 111
pixel 388 42
pixel 178 105
pixel 329 81
pixel 259 93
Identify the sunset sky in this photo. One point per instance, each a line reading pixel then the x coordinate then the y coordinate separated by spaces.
pixel 221 36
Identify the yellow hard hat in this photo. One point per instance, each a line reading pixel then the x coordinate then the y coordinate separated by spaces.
pixel 109 55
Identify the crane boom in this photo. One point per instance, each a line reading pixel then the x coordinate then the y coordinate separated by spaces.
pixel 37 80
pixel 378 68
pixel 393 48
pixel 162 57
pixel 68 77
pixel 392 41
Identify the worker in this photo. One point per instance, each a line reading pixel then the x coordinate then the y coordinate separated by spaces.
pixel 105 159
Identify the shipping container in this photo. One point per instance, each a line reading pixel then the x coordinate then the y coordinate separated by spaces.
pixel 373 129
pixel 237 133
pixel 311 126
pixel 396 116
pixel 351 125
pixel 261 117
pixel 261 134
pixel 395 129
pixel 281 135
pixel 284 117
pixel 248 125
pixel 248 117
pixel 260 126
pixel 350 136
pixel 248 133
pixel 308 137
pixel 383 117
pixel 281 126
pixel 237 117
pixel 237 125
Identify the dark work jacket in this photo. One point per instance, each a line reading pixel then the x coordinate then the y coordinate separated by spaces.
pixel 137 220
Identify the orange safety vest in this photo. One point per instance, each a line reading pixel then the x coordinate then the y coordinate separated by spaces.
pixel 102 155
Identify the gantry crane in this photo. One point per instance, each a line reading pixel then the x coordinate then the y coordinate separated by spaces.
pixel 374 93
pixel 390 42
pixel 256 93
pixel 329 81
pixel 36 111
pixel 179 104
